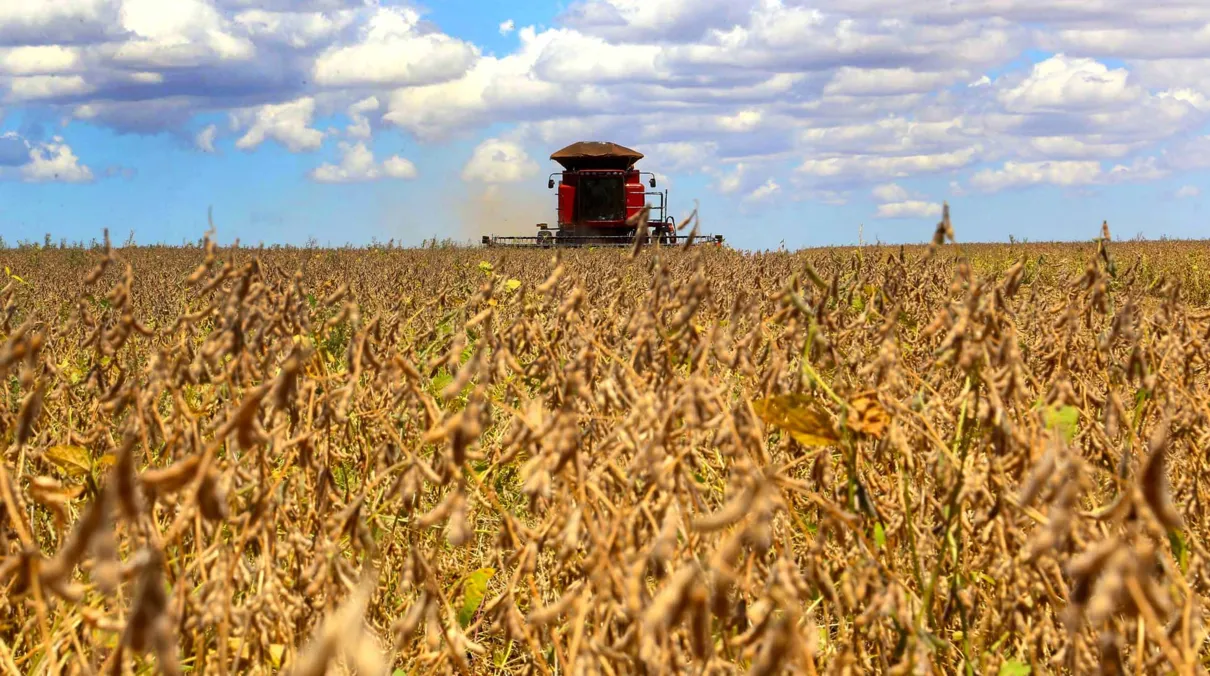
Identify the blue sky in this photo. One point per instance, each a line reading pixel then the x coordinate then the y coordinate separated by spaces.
pixel 787 122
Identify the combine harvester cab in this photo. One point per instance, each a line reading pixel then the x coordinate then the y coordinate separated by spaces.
pixel 600 194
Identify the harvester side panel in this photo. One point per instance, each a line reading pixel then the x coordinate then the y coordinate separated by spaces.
pixel 567 204
pixel 635 197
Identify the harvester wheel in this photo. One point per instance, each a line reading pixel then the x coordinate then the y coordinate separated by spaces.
pixel 664 233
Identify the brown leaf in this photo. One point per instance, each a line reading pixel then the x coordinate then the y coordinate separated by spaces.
pixel 48 491
pixel 211 498
pixel 1154 482
pixel 869 417
pixel 31 409
pixel 172 478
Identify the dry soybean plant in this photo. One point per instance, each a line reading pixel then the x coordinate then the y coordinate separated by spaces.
pixel 961 459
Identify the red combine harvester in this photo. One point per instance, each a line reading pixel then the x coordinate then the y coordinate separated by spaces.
pixel 600 195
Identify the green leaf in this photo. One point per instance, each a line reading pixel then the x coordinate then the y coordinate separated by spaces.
pixel 1015 668
pixel 983 577
pixel 512 285
pixel 442 380
pixel 486 267
pixel 1066 419
pixel 474 588
pixel 879 536
pixel 1180 550
pixel 73 460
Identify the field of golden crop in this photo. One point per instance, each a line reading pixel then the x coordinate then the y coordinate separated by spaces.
pixel 960 459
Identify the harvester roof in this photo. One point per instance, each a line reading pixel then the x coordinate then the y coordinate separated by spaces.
pixel 596 155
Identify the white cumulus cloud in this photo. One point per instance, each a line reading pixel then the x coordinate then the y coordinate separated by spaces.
pixel 850 81
pixel 295 29
pixel 287 123
pixel 181 33
pixel 1018 174
pixel 395 51
pixel 499 161
pixel 764 192
pixel 908 209
pixel 732 181
pixel 67 21
pixel 742 121
pixel 36 87
pixel 895 201
pixel 357 165
pixel 360 126
pixel 39 60
pixel 890 192
pixel 55 162
pixel 1066 173
pixel 1061 82
pixel 205 138
pixel 875 167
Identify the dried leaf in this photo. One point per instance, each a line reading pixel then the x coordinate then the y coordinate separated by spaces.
pixel 74 461
pixel 867 416
pixel 172 478
pixel 804 418
pixel 48 491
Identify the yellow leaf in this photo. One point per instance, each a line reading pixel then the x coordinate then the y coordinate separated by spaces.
pixel 804 418
pixel 73 373
pixel 242 645
pixel 73 460
pixel 276 652
pixel 474 588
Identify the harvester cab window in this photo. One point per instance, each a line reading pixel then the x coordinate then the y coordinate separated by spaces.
pixel 602 198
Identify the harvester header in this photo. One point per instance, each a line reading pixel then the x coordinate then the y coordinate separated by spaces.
pixel 599 199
